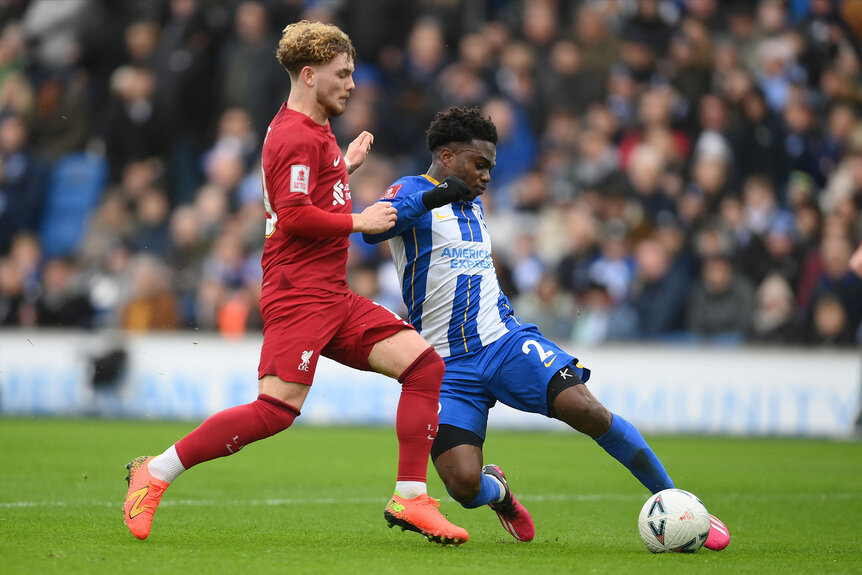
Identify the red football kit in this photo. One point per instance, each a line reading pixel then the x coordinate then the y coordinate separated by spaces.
pixel 302 166
pixel 307 308
pixel 309 311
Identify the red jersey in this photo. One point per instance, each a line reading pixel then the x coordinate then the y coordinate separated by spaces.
pixel 302 164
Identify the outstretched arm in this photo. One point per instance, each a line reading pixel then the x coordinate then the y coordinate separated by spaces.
pixel 310 221
pixel 411 208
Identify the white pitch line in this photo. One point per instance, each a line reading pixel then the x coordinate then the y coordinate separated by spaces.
pixel 290 501
pixel 377 500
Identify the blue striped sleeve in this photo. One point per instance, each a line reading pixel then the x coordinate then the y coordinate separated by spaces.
pixel 410 209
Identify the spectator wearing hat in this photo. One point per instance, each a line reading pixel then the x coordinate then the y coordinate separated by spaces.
pixel 762 147
pixel 774 318
pixel 802 140
pixel 711 169
pixel 784 255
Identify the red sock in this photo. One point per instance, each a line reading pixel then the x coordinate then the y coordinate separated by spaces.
pixel 416 420
pixel 228 431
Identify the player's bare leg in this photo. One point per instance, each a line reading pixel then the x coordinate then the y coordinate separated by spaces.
pixel 473 485
pixel 460 469
pixel 578 407
pixel 289 392
pixel 409 358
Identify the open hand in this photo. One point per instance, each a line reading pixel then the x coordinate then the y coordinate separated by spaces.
pixel 358 150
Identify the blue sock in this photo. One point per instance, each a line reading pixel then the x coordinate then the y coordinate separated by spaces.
pixel 488 493
pixel 626 444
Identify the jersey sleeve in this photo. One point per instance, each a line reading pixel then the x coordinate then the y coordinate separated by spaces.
pixel 289 168
pixel 406 197
pixel 312 222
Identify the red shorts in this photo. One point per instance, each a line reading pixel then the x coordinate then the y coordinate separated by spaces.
pixel 341 326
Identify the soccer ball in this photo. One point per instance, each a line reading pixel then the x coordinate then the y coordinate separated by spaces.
pixel 673 520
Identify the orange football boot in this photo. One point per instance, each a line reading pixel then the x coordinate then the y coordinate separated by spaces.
pixel 422 515
pixel 142 500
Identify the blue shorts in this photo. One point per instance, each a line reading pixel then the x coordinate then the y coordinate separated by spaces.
pixel 514 370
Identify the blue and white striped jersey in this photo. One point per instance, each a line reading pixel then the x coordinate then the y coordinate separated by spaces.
pixel 443 259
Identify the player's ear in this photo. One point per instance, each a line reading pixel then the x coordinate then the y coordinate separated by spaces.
pixel 307 76
pixel 447 156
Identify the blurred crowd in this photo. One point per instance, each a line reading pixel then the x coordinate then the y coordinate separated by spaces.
pixel 674 170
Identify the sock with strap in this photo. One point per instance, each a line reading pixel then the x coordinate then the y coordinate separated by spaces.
pixel 490 491
pixel 626 444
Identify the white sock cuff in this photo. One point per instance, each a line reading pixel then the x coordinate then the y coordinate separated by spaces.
pixel 502 488
pixel 166 466
pixel 410 489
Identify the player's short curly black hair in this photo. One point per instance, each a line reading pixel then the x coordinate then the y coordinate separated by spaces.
pixel 460 124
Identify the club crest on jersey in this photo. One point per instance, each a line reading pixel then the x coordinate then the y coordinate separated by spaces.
pixel 305 357
pixel 299 179
pixel 391 192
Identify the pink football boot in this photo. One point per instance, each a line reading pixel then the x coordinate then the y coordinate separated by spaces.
pixel 719 535
pixel 512 515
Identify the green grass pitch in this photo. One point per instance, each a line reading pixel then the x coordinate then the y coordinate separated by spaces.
pixel 311 501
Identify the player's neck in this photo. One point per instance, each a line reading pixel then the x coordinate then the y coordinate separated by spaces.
pixel 307 106
pixel 436 172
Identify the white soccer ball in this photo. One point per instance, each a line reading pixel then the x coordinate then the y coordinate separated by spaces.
pixel 673 520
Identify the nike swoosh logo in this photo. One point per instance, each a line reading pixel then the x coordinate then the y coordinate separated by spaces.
pixel 337 161
pixel 443 216
pixel 139 495
pixel 548 363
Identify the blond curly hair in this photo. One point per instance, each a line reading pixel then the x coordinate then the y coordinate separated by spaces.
pixel 307 43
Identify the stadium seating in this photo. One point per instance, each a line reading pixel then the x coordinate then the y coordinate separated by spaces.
pixel 74 189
